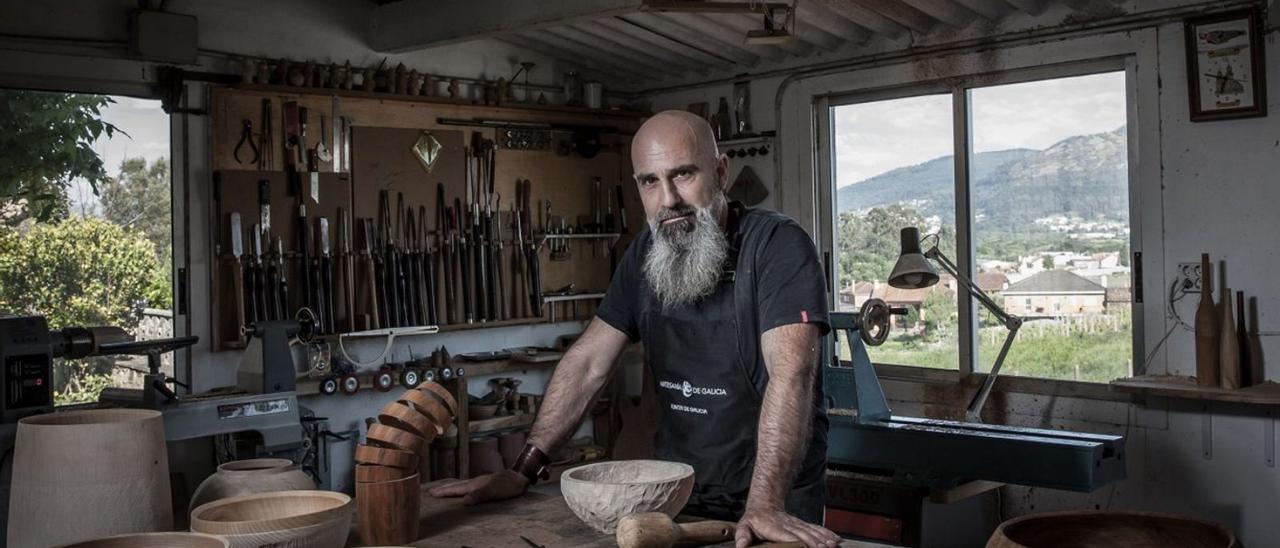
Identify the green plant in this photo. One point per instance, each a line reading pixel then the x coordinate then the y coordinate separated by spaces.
pixel 47 142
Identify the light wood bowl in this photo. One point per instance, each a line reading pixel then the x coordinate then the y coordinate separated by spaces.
pixel 154 540
pixel 1096 529
pixel 395 458
pixel 297 519
pixel 602 493
pixel 395 438
pixel 401 415
pixel 373 473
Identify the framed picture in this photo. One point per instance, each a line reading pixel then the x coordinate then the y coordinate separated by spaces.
pixel 1225 68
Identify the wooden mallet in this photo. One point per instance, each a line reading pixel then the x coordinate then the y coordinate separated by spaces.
pixel 657 530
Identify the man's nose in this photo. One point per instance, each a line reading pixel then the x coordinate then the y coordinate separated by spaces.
pixel 670 196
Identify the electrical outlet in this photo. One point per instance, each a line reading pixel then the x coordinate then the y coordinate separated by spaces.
pixel 1190 275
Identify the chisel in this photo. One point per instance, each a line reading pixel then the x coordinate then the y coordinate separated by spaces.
pixel 259 278
pixel 346 269
pixel 464 261
pixel 304 258
pixel 282 285
pixel 372 275
pixel 412 268
pixel 445 247
pixel 428 269
pixel 237 279
pixel 318 288
pixel 326 277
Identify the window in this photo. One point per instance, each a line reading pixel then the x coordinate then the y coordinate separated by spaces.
pixel 86 226
pixel 893 168
pixel 1048 217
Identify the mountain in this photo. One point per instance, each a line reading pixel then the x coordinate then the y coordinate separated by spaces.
pixel 1083 176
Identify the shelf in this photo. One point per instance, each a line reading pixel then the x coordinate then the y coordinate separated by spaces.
pixel 1267 393
pixel 476 369
pixel 745 141
pixel 573 297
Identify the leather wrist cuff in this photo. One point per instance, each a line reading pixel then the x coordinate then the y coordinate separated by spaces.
pixel 532 464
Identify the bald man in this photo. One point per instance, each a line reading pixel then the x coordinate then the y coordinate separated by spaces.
pixel 730 303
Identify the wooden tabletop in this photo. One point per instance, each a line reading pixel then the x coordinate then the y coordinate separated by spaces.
pixel 542 517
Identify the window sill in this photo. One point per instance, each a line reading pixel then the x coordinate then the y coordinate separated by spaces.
pixel 1004 384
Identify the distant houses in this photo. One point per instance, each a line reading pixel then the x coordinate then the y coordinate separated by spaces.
pixel 1055 294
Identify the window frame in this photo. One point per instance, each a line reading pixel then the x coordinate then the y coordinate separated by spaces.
pixel 960 87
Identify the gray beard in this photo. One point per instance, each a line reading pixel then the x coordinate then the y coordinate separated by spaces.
pixel 684 264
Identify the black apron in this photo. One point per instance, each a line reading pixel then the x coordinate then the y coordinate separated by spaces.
pixel 710 403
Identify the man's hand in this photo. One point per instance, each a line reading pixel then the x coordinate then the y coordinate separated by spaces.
pixel 489 487
pixel 779 526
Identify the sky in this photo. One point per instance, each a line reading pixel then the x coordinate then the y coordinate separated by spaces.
pixel 147 129
pixel 872 138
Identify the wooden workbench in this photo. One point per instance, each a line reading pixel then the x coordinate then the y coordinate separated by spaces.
pixel 541 516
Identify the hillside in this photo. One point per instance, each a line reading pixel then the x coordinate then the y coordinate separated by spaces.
pixel 1084 176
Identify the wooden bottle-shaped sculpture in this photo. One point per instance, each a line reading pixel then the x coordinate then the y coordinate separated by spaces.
pixel 1242 338
pixel 1228 346
pixel 1206 329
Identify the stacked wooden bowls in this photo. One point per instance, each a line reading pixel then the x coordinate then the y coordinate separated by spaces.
pixel 297 519
pixel 388 463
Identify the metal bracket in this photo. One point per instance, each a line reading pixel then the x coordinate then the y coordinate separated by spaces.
pixel 868 397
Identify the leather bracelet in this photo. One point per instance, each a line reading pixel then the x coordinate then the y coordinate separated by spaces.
pixel 532 464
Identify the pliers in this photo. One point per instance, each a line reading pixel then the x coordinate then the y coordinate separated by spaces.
pixel 246 137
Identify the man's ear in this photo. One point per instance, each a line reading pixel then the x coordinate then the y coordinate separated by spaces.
pixel 722 172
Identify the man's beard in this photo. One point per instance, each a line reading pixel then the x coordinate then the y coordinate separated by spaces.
pixel 686 259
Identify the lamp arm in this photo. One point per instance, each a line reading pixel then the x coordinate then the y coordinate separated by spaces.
pixel 1010 322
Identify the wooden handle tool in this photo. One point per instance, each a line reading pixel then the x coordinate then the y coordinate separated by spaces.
pixel 657 530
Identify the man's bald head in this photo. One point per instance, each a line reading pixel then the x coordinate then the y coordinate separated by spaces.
pixel 677 167
pixel 676 128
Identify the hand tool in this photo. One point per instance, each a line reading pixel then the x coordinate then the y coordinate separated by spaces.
pixel 326 278
pixel 322 152
pixel 308 154
pixel 304 257
pixel 266 157
pixel 404 303
pixel 292 148
pixel 275 309
pixel 390 260
pixel 428 270
pixel 336 135
pixel 597 221
pixel 347 269
pixel 657 530
pixel 445 245
pixel 259 277
pixel 237 279
pixel 318 288
pixel 412 258
pixel 252 314
pixel 518 303
pixel 499 296
pixel 247 138
pixel 465 265
pixel 372 275
pixel 281 287
pixel 264 206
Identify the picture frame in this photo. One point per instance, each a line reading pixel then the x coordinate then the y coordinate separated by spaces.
pixel 1226 74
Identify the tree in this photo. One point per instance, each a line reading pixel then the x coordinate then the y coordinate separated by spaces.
pixel 46 143
pixel 139 199
pixel 80 271
pixel 869 242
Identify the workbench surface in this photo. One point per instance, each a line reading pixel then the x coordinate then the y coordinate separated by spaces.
pixel 540 515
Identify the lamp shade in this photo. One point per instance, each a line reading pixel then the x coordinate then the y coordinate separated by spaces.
pixel 912 271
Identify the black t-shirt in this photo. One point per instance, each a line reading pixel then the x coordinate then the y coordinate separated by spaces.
pixel 777 280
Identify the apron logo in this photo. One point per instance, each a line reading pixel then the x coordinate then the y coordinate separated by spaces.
pixel 687 390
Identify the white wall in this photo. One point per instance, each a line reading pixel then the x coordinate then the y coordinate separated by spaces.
pixel 1203 187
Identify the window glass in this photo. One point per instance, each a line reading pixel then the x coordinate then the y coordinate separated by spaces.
pixel 1050 196
pixel 894 167
pixel 85 225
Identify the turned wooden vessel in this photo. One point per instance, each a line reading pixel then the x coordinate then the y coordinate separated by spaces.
pixel 154 540
pixel 400 415
pixel 387 511
pixel 1096 529
pixel 243 477
pixel 101 472
pixel 602 493
pixel 297 519
pixel 440 392
pixel 429 405
pixel 395 458
pixel 395 438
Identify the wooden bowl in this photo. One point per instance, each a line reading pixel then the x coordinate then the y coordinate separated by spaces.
pixel 373 473
pixel 1095 529
pixel 299 519
pixel 395 458
pixel 429 405
pixel 602 493
pixel 400 415
pixel 154 540
pixel 481 410
pixel 387 512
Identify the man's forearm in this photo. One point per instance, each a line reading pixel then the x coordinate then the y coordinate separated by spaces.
pixel 791 356
pixel 580 374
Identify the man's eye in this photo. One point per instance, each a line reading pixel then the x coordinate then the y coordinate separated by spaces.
pixel 684 174
pixel 647 182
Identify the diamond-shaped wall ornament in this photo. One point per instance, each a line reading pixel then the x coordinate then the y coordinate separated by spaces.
pixel 427 150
